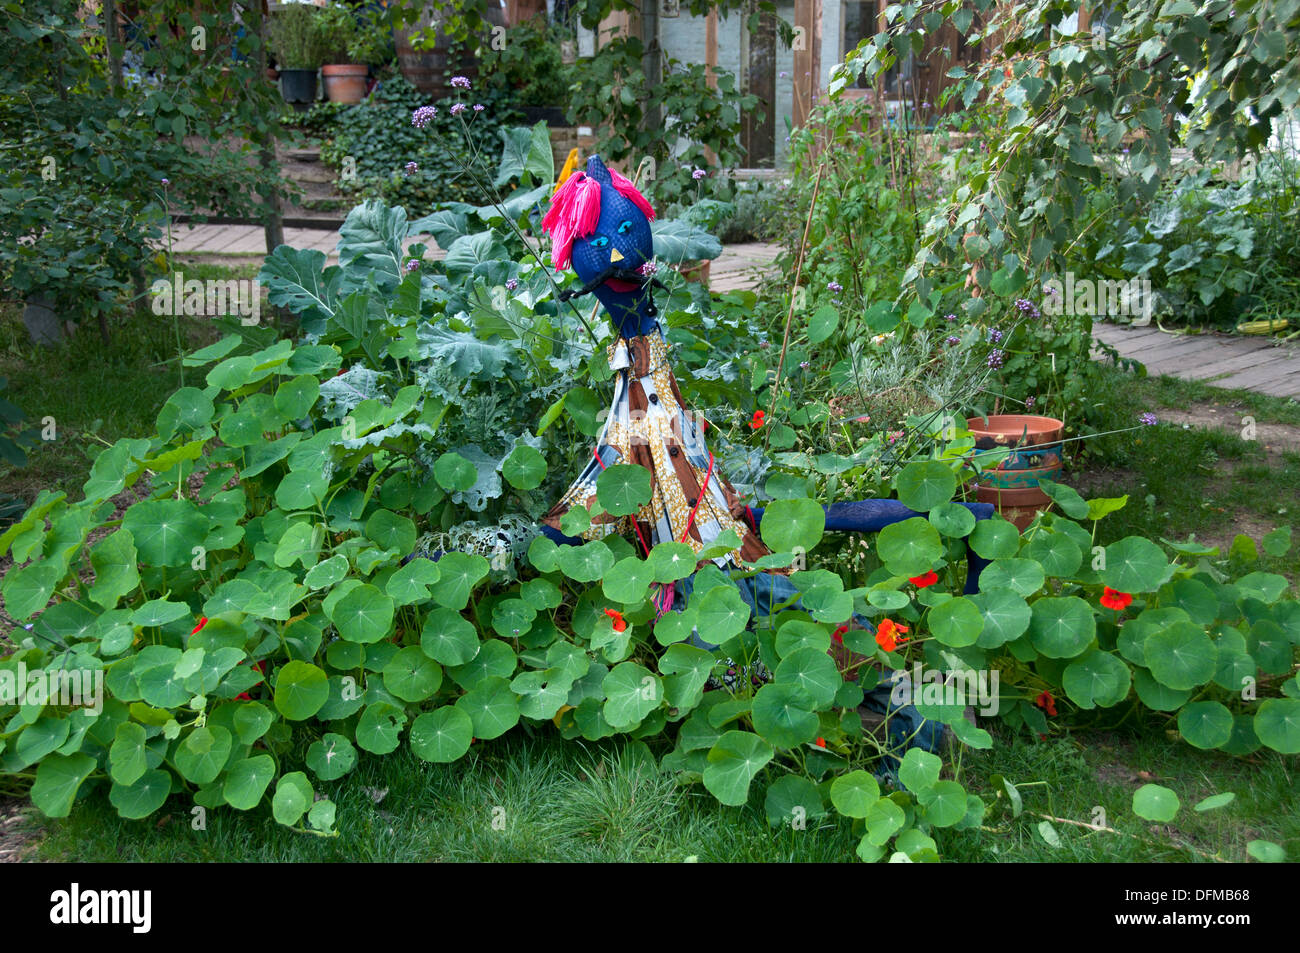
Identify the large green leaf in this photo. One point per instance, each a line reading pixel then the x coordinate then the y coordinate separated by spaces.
pixel 1181 656
pixel 623 488
pixel 58 778
pixel 298 280
pixel 924 484
pixel 363 615
pixel 1061 627
pixel 733 761
pixel 370 247
pixel 909 547
pixel 301 690
pixel 442 735
pixel 783 715
pixel 676 242
pixel 793 525
pixel 165 532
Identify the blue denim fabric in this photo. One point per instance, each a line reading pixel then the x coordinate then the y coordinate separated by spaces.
pixel 907 728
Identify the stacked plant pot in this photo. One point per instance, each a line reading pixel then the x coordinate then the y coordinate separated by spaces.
pixel 1035 445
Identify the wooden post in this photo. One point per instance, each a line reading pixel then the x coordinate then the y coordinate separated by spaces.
pixel 274 228
pixel 711 63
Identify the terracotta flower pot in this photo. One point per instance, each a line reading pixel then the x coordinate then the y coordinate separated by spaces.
pixel 345 83
pixel 1036 453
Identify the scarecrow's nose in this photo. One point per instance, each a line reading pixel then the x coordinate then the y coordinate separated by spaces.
pixel 615 255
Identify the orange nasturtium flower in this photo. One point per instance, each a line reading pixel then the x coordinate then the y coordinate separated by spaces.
pixel 821 742
pixel 888 634
pixel 928 579
pixel 1113 599
pixel 1046 702
pixel 617 619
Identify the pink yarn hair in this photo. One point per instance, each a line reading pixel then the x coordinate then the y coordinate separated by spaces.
pixel 575 212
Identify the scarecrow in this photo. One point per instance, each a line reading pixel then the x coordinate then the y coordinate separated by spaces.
pixel 599 225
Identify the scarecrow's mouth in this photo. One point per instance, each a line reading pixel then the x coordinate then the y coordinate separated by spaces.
pixel 620 280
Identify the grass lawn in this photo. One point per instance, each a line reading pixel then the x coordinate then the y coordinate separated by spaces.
pixel 554 800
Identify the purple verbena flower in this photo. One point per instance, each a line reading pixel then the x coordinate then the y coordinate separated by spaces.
pixel 1030 401
pixel 950 318
pixel 805 364
pixel 413 264
pixel 995 358
pixel 166 182
pixel 412 168
pixel 648 268
pixel 1149 419
pixel 1028 307
pixel 457 108
pixel 479 107
pixel 423 116
pixel 834 286
pixel 512 284
pixel 995 335
pixel 951 340
pixel 698 174
pixel 460 82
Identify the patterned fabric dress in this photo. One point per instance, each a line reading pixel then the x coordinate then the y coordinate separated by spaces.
pixel 649 424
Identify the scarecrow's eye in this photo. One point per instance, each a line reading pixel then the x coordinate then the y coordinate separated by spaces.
pixel 625 226
pixel 599 242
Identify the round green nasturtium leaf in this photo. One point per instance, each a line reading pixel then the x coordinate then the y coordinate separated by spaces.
pixel 924 484
pixel 631 693
pixel 127 756
pixel 302 489
pixel 722 613
pixel 326 573
pixel 855 793
pixel 783 716
pixel 586 563
pixel 187 409
pixel 801 634
pixel 1156 695
pixel 792 801
pixel 623 488
pixel 908 548
pixel 1096 679
pixel 203 753
pixel 251 720
pixel 58 778
pixel 380 727
pixel 733 761
pixel 1205 724
pixel 1061 627
pixel 887 599
pixel 1181 655
pixel 247 781
pixel 410 584
pixel 1196 599
pixel 459 573
pixel 823 323
pixel 793 525
pixel 142 798
pixel 447 637
pixel 957 622
pixel 1024 576
pixel 494 659
pixel 411 675
pixel 1277 724
pixel 331 757
pixel 1215 801
pixel 1155 803
pixel 1135 564
pixel 919 770
pixel 944 803
pixel 293 796
pixel 995 538
pixel 786 486
pixel 1058 554
pixel 628 580
pixel 813 672
pixel 240 429
pixel 442 735
pixel 952 520
pixel 295 397
pixel 165 532
pixel 364 615
pixel 390 531
pixel 524 468
pixel 301 690
pixel 513 618
pixel 884 819
pixel 672 561
pixel 491 706
pixel 1266 852
pixel 1006 616
pixel 454 473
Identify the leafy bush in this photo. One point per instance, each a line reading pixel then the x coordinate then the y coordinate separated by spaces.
pixel 528 68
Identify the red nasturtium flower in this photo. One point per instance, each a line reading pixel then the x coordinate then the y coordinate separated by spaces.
pixel 757 421
pixel 821 742
pixel 1046 702
pixel 617 619
pixel 929 579
pixel 838 634
pixel 1113 599
pixel 203 620
pixel 888 634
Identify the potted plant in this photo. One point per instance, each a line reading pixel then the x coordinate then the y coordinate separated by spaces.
pixel 1035 445
pixel 294 38
pixel 351 48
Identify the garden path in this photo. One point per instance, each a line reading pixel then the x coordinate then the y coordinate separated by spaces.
pixel 1259 364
